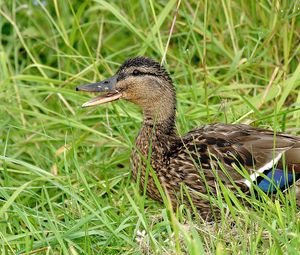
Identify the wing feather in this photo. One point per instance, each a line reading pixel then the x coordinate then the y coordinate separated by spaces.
pixel 257 150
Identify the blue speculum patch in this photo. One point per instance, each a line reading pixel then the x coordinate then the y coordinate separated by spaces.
pixel 275 179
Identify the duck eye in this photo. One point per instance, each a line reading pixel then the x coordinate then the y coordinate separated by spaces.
pixel 136 72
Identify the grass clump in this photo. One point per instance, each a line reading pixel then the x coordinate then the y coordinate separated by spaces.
pixel 65 185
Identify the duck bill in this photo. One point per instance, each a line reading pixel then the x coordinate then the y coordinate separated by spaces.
pixel 107 87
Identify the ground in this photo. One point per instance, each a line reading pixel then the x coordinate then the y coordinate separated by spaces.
pixel 65 179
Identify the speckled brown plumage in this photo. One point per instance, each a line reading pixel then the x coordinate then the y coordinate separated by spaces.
pixel 205 155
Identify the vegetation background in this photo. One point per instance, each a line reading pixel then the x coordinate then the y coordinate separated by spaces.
pixel 65 181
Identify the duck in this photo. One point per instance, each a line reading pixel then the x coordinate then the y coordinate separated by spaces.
pixel 241 157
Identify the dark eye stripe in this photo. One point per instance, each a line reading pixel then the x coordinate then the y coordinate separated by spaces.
pixel 139 73
pixel 123 76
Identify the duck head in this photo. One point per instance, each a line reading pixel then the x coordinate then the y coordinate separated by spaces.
pixel 140 80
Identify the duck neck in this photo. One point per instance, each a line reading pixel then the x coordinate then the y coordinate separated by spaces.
pixel 161 116
pixel 156 135
pixel 153 142
pixel 160 126
pixel 155 138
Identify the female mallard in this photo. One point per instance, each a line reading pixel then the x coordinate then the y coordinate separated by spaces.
pixel 205 154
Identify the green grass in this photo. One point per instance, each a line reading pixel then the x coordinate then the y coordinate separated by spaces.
pixel 65 181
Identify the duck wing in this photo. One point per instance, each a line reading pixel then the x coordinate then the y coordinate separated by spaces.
pixel 259 151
